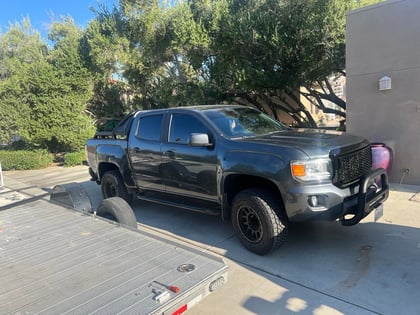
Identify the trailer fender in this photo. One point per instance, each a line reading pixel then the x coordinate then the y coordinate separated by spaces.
pixel 72 195
pixel 117 209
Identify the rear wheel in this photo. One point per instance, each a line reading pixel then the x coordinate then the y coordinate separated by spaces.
pixel 112 185
pixel 117 209
pixel 259 221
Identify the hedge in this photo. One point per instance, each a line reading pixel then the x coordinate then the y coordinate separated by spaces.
pixel 25 160
pixel 74 158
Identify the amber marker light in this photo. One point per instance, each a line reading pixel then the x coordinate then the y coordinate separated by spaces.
pixel 298 170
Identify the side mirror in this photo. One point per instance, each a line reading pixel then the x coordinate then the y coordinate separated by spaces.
pixel 199 140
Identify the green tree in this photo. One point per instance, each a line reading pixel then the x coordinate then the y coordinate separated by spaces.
pixel 149 41
pixel 56 106
pixel 271 54
pixel 264 51
pixel 149 50
pixel 64 99
pixel 43 93
pixel 20 47
pixel 10 108
pixel 105 52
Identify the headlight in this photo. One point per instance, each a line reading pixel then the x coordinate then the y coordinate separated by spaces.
pixel 312 170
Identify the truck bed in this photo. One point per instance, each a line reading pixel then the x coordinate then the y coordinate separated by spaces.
pixel 54 260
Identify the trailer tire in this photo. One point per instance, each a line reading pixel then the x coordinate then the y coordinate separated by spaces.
pixel 112 185
pixel 259 221
pixel 117 209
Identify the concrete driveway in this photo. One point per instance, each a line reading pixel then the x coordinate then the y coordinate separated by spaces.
pixel 324 268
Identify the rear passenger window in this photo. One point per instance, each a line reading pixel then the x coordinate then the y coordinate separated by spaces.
pixel 149 127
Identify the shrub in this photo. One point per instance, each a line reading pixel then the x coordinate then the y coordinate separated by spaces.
pixel 74 158
pixel 24 160
pixel 20 145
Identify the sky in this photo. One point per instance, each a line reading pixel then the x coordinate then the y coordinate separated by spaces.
pixel 42 12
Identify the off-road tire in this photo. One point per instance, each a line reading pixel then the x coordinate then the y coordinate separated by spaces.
pixel 112 185
pixel 117 209
pixel 259 221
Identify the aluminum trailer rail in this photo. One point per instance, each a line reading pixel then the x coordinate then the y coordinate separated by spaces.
pixel 55 260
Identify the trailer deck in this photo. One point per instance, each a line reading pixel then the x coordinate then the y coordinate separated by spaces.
pixel 55 260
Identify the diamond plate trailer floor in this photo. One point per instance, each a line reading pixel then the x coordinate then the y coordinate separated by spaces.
pixel 54 260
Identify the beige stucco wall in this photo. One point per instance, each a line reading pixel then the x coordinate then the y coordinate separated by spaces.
pixel 384 40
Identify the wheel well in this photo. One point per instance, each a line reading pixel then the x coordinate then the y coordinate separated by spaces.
pixel 126 175
pixel 235 183
pixel 106 167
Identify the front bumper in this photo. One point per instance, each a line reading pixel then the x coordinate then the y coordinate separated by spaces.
pixel 373 191
pixel 349 205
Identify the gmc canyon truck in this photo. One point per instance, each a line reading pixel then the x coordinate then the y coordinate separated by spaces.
pixel 239 163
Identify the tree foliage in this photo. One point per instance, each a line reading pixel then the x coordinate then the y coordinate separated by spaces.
pixel 43 92
pixel 20 47
pixel 105 53
pixel 272 54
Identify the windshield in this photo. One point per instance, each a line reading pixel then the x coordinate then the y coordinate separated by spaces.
pixel 243 122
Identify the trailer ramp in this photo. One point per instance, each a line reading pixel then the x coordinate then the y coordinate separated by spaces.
pixel 54 260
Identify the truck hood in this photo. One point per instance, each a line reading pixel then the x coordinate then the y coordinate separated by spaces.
pixel 313 142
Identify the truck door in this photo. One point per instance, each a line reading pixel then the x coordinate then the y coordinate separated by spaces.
pixel 144 151
pixel 188 171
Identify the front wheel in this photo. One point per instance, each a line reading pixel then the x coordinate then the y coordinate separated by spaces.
pixel 259 221
pixel 112 185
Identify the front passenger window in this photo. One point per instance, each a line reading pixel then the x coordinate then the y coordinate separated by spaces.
pixel 182 126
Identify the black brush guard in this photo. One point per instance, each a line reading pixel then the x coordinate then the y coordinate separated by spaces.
pixel 373 191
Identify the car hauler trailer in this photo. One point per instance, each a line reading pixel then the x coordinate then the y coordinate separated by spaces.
pixel 54 260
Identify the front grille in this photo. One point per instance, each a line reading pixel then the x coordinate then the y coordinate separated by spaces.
pixel 351 166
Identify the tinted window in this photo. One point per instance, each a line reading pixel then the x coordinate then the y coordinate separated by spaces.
pixel 182 126
pixel 149 127
pixel 243 122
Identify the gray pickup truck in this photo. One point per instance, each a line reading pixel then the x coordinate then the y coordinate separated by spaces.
pixel 239 163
